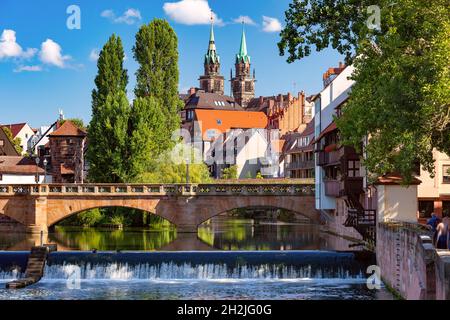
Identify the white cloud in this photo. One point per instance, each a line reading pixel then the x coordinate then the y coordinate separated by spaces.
pixel 271 24
pixel 9 48
pixel 130 16
pixel 93 56
pixel 247 20
pixel 51 54
pixel 191 12
pixel 28 68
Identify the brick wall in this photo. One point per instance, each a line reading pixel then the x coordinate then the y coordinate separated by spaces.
pixel 406 261
pixel 66 159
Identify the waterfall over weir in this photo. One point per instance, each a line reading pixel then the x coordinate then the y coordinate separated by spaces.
pixel 192 265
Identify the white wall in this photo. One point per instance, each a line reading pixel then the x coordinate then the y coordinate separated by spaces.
pixel 25 134
pixel 397 202
pixel 22 179
pixel 249 157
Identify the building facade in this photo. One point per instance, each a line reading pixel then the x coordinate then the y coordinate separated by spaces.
pixel 434 192
pixel 285 112
pixel 299 154
pixel 67 144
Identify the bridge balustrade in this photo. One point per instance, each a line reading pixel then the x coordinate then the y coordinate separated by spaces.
pixel 158 189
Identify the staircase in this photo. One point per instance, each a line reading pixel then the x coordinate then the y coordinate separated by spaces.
pixel 363 220
pixel 35 268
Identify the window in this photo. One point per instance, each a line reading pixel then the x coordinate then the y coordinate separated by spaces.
pixel 190 115
pixel 248 86
pixel 426 208
pixel 446 174
pixel 219 122
pixel 2 142
pixel 353 168
pixel 445 208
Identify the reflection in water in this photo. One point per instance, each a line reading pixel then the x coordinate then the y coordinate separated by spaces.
pixel 70 238
pixel 220 233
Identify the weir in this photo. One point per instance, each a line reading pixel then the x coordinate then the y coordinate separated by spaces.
pixel 193 265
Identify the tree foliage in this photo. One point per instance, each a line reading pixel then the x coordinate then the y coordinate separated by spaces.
pixel 230 172
pixel 156 51
pixel 79 123
pixel 401 96
pixel 16 142
pixel 108 151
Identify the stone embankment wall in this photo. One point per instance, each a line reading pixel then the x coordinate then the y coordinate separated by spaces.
pixel 410 264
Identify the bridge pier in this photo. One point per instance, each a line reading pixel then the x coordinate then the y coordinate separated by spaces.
pixel 37 218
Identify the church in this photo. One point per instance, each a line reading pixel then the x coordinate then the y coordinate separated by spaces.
pixel 209 113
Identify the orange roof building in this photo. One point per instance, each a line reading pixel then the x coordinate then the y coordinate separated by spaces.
pixel 215 122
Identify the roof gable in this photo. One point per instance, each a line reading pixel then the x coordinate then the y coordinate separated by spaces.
pixel 68 129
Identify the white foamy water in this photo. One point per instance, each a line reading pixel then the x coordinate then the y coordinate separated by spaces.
pixel 171 271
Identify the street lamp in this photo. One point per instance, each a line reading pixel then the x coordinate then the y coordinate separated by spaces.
pixel 45 169
pixel 187 171
pixel 37 160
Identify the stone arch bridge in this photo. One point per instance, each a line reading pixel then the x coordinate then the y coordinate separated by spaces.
pixel 39 207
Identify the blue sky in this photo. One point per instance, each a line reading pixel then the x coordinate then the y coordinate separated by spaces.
pixel 45 66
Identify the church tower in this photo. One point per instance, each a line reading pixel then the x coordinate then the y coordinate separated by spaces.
pixel 243 83
pixel 212 81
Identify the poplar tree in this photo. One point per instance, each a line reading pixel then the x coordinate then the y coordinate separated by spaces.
pixel 156 51
pixel 108 130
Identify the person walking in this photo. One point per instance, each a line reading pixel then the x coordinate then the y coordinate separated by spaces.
pixel 442 239
pixel 433 222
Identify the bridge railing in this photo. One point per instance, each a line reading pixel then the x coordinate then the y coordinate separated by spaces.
pixel 276 189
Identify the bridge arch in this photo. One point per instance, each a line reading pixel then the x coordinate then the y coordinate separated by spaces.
pixel 304 206
pixel 74 213
pixel 58 211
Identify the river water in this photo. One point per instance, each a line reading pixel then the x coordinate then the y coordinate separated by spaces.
pixel 233 259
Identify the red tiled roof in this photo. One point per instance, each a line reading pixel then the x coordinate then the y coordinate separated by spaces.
pixel 224 120
pixel 15 128
pixel 18 165
pixel 394 178
pixel 68 129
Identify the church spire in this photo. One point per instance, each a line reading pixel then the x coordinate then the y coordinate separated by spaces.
pixel 243 56
pixel 211 80
pixel 211 56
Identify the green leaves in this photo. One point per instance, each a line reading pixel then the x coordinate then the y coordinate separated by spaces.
pixel 125 142
pixel 401 98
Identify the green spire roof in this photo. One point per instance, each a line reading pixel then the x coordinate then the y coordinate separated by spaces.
pixel 211 55
pixel 243 56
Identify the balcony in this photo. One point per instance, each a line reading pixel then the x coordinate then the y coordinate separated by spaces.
pixel 309 164
pixel 328 158
pixel 332 188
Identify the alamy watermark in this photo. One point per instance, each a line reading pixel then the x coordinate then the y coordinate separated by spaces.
pixel 373 281
pixel 73 22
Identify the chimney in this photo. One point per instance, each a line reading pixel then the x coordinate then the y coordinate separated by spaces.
pixel 289 96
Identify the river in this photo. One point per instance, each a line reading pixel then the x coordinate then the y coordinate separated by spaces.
pixel 312 265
